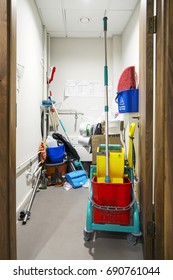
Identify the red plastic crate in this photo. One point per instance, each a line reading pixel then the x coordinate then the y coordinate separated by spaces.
pixel 111 194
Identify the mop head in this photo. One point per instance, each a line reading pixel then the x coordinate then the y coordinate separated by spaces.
pixel 127 79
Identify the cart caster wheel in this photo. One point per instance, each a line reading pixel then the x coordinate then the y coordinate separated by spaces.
pixel 87 235
pixel 22 215
pixel 131 239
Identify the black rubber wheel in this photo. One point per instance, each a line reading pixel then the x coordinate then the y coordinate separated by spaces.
pixel 87 235
pixel 22 215
pixel 132 239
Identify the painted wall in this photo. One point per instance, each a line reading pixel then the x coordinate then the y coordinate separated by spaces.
pixel 78 60
pixel 130 42
pixel 29 56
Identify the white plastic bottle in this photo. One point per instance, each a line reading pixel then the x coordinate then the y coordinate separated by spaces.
pixel 51 142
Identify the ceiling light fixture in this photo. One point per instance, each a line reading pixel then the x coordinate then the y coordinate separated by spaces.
pixel 85 20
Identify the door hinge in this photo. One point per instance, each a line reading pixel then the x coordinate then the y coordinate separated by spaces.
pixel 152 24
pixel 151 229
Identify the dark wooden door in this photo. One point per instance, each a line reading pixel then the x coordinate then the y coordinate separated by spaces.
pixel 7 129
pixel 156 195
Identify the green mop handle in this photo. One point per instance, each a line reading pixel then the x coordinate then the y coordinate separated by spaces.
pixel 107 178
pixel 105 23
pixel 105 67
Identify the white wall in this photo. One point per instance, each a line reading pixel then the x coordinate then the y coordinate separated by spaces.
pixel 117 67
pixel 79 59
pixel 130 42
pixel 117 59
pixel 29 55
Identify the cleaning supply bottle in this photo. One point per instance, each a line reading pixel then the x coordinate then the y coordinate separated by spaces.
pixel 51 142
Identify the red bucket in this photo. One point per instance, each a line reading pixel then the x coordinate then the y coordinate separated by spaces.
pixel 111 194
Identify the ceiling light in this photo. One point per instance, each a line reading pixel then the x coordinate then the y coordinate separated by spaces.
pixel 85 20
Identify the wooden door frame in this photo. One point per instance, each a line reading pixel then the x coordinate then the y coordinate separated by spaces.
pixel 168 147
pixel 146 126
pixel 8 130
pixel 164 132
pixel 159 133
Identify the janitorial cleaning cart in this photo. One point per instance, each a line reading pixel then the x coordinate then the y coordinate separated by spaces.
pixel 112 204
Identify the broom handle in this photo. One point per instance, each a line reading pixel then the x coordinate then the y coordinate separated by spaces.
pixel 61 123
pixel 107 178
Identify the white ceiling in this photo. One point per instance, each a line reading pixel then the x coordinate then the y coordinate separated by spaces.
pixel 62 17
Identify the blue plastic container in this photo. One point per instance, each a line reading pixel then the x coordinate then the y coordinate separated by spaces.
pixel 56 154
pixel 128 101
pixel 76 178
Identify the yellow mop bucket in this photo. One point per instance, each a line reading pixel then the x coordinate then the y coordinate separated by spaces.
pixel 116 163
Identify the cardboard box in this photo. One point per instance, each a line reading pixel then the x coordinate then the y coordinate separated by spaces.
pixel 96 140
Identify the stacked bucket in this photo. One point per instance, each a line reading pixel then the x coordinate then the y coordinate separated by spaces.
pixel 56 165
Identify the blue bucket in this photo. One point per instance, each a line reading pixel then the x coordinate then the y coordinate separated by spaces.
pixel 56 154
pixel 128 101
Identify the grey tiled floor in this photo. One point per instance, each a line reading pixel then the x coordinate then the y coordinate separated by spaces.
pixel 55 231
